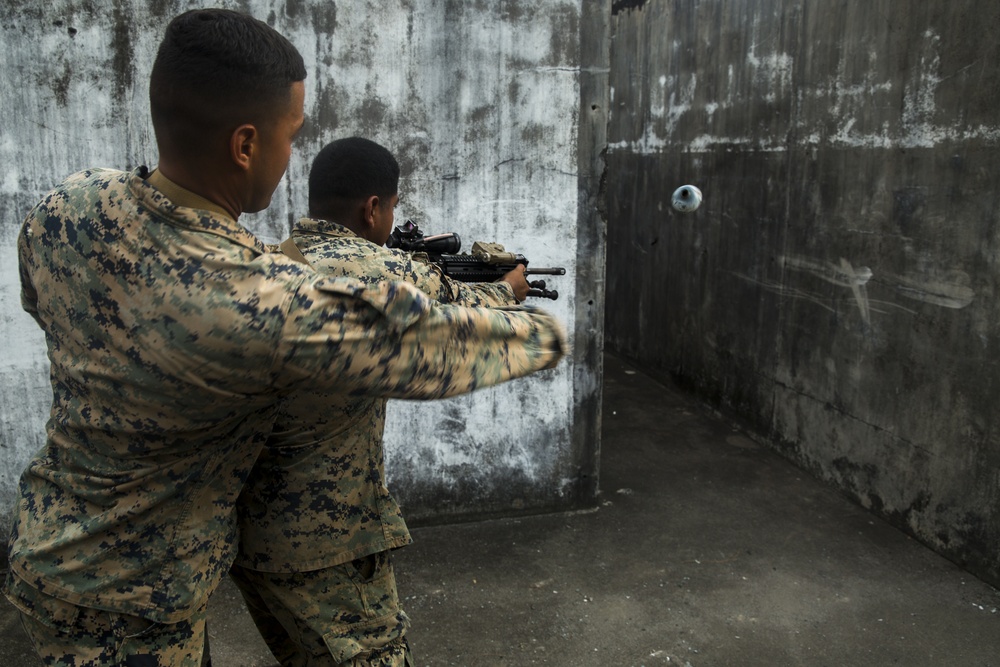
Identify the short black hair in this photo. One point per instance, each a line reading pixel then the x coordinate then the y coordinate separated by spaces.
pixel 350 169
pixel 217 69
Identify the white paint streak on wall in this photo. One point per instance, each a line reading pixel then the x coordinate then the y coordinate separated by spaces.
pixel 846 103
pixel 948 289
pixel 649 144
pixel 704 142
pixel 772 72
pixel 673 100
pixel 841 274
pixel 787 291
pixel 919 100
pixel 945 288
pixel 859 278
pixel 846 97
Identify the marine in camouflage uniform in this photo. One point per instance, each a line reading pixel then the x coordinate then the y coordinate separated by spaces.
pixel 172 336
pixel 316 518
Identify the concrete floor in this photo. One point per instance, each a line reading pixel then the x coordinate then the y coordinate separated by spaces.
pixel 706 550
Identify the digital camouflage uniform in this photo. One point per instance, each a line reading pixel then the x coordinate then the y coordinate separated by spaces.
pixel 316 503
pixel 172 336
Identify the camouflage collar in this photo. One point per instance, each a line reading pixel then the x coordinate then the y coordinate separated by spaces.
pixel 198 220
pixel 317 226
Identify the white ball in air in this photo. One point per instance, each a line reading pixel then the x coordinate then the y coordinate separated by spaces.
pixel 686 199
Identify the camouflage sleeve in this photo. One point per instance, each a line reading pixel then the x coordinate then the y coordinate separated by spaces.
pixel 29 297
pixel 391 340
pixel 433 282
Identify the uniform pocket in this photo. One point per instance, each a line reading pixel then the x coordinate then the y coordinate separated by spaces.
pixel 346 642
pixel 45 609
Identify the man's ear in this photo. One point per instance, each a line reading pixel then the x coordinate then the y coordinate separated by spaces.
pixel 371 204
pixel 243 145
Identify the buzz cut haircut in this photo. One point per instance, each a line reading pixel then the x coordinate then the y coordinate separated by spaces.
pixel 348 170
pixel 217 69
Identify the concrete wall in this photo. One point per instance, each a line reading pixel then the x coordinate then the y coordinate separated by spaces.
pixel 497 116
pixel 838 287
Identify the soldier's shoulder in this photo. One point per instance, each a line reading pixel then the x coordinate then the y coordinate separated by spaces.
pixel 94 176
pixel 350 256
pixel 88 183
pixel 78 190
pixel 280 267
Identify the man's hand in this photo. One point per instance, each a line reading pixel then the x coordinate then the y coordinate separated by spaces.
pixel 515 277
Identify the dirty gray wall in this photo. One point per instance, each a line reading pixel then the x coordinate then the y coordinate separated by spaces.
pixel 497 116
pixel 838 287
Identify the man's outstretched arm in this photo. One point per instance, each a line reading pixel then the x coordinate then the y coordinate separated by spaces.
pixel 391 340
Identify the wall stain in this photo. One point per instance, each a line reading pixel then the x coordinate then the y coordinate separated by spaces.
pixel 324 18
pixel 60 86
pixel 124 57
pixel 534 134
pixel 620 6
pixel 372 113
pixel 565 37
pixel 162 9
pixel 512 11
pixel 907 207
pixel 514 92
pixel 294 10
pixel 71 31
pixel 481 114
pixel 323 115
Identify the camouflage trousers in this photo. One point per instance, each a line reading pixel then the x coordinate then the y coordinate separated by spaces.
pixel 66 635
pixel 342 616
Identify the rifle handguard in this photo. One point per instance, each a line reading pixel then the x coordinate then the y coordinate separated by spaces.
pixel 488 262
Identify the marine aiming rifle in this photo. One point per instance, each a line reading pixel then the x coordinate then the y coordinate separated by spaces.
pixel 487 263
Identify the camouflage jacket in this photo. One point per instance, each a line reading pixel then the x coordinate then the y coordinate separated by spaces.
pixel 172 336
pixel 317 495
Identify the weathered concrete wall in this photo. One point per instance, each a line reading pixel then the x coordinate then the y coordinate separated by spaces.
pixel 838 287
pixel 492 109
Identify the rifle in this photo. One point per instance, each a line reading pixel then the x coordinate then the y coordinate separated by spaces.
pixel 487 263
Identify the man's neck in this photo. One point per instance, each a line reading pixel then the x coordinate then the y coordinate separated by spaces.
pixel 189 193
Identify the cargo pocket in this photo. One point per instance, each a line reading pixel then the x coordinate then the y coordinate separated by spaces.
pixel 43 608
pixel 367 638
